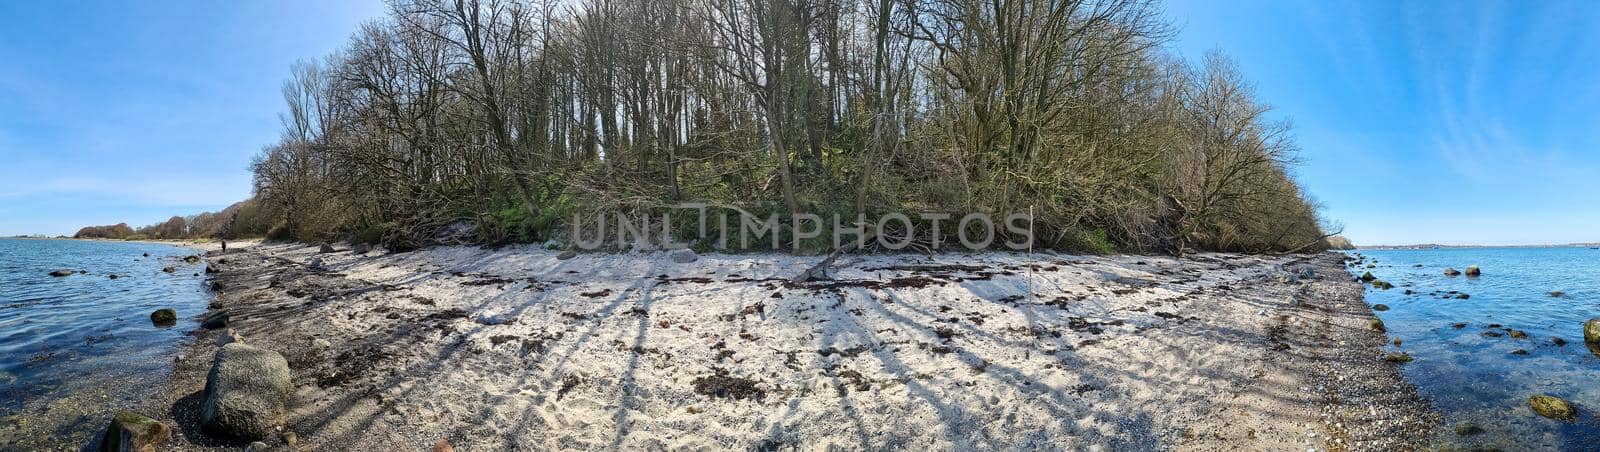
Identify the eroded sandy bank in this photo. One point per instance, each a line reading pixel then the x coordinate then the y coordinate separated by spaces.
pixel 515 349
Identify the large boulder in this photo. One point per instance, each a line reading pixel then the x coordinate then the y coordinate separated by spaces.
pixel 1591 331
pixel 1472 270
pixel 245 392
pixel 325 248
pixel 1552 407
pixel 130 432
pixel 1451 272
pixel 62 273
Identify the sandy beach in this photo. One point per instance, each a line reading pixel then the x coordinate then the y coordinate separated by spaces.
pixel 518 349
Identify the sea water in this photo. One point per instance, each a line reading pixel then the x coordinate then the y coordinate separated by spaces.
pixel 75 349
pixel 1479 373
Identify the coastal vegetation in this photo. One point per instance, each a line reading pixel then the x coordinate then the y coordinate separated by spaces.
pixel 242 219
pixel 513 116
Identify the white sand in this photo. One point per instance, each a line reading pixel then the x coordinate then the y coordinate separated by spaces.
pixel 515 349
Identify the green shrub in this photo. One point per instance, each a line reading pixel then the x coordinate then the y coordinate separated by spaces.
pixel 375 232
pixel 1094 241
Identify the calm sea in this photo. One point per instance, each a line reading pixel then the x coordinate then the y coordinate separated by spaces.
pixel 74 349
pixel 1475 373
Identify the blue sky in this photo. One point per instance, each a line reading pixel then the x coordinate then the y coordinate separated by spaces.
pixel 135 111
pixel 1455 122
pixel 1445 121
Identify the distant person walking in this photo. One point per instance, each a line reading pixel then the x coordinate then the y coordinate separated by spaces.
pixel 224 245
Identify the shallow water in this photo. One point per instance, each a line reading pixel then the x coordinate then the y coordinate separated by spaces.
pixel 1473 377
pixel 74 349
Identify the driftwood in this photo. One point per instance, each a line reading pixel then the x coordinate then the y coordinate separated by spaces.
pixel 819 272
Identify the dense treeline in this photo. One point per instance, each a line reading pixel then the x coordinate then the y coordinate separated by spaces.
pixel 116 231
pixel 515 115
pixel 243 219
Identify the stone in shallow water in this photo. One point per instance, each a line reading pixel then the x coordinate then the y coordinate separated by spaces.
pixel 164 317
pixel 1552 407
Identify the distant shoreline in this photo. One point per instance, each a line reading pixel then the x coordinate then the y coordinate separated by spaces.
pixel 198 244
pixel 1436 246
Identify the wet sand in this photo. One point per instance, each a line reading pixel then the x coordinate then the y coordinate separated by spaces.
pixel 516 349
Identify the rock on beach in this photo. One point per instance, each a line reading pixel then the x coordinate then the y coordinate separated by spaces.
pixel 245 392
pixel 684 256
pixel 130 432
